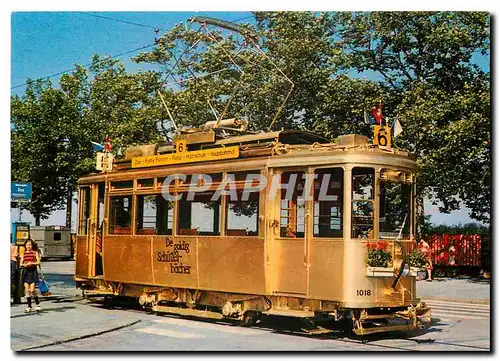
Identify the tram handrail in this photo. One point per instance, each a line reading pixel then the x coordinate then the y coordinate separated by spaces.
pixel 403 254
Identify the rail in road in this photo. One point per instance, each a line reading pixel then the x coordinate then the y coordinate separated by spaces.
pixel 442 311
pixel 455 327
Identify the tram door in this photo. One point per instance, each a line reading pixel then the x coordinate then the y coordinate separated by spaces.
pixel 99 229
pixel 290 235
pixel 89 239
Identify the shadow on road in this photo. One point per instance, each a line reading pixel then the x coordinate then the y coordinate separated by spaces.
pixel 44 311
pixel 60 280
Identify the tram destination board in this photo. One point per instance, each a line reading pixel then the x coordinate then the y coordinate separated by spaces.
pixel 205 155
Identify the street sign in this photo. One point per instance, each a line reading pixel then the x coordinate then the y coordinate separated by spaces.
pixel 20 191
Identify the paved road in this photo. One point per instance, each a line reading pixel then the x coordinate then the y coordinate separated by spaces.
pixel 457 326
pixel 452 288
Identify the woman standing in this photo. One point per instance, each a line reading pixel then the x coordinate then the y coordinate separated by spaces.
pixel 30 260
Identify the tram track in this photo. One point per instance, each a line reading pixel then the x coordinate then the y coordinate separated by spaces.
pixel 285 327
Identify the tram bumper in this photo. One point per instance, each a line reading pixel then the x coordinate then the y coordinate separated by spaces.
pixel 413 318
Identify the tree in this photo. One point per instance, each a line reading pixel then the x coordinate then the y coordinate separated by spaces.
pixel 35 142
pixel 440 95
pixel 298 43
pixel 427 78
pixel 52 129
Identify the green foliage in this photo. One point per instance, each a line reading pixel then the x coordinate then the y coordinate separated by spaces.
pixel 51 129
pixel 378 258
pixel 417 259
pixel 36 140
pixel 299 43
pixel 422 59
pixel 467 228
pixel 441 97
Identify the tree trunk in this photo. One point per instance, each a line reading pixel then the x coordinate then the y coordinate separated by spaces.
pixel 69 203
pixel 37 220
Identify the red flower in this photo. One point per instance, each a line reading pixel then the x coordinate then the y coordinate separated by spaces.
pixel 382 245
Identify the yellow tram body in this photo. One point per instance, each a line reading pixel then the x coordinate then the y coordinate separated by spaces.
pixel 287 258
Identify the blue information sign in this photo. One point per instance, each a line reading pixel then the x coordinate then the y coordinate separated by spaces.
pixel 20 191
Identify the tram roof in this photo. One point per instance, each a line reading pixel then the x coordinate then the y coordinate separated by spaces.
pixel 284 143
pixel 292 137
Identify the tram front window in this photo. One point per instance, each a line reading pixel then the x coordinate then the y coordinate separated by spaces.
pixel 395 196
pixel 328 202
pixel 362 202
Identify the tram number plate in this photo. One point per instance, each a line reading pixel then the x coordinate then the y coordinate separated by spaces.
pixel 363 292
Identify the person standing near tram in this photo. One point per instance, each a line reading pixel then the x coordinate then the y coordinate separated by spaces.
pixel 30 260
pixel 424 247
pixel 13 264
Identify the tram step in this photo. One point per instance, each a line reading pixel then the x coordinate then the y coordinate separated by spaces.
pixel 187 312
pixel 289 313
pixel 97 293
pixel 380 317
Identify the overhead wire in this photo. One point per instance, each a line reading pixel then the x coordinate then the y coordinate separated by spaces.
pixel 113 56
pixel 247 17
pixel 120 54
pixel 119 21
pixel 87 65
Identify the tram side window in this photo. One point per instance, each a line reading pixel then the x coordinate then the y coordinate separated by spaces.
pixel 85 210
pixel 154 215
pixel 362 202
pixel 242 216
pixel 120 216
pixel 201 216
pixel 328 202
pixel 292 212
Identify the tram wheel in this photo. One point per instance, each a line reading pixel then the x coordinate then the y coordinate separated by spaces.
pixel 109 303
pixel 249 318
pixel 348 326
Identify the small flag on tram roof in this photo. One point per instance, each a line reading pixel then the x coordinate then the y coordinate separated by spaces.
pixel 397 129
pixel 97 147
pixel 369 119
pixel 377 112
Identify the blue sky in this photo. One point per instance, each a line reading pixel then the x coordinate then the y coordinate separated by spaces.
pixel 46 43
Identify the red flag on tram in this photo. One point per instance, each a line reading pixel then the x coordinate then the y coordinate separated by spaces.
pixel 107 144
pixel 377 112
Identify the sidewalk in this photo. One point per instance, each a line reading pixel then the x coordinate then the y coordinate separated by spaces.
pixel 455 289
pixel 61 321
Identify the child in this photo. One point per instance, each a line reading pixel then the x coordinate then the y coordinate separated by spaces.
pixel 29 261
pixel 424 247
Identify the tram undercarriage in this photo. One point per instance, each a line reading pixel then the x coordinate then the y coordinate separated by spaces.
pixel 318 316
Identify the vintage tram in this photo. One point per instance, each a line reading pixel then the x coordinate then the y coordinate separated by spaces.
pixel 332 240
